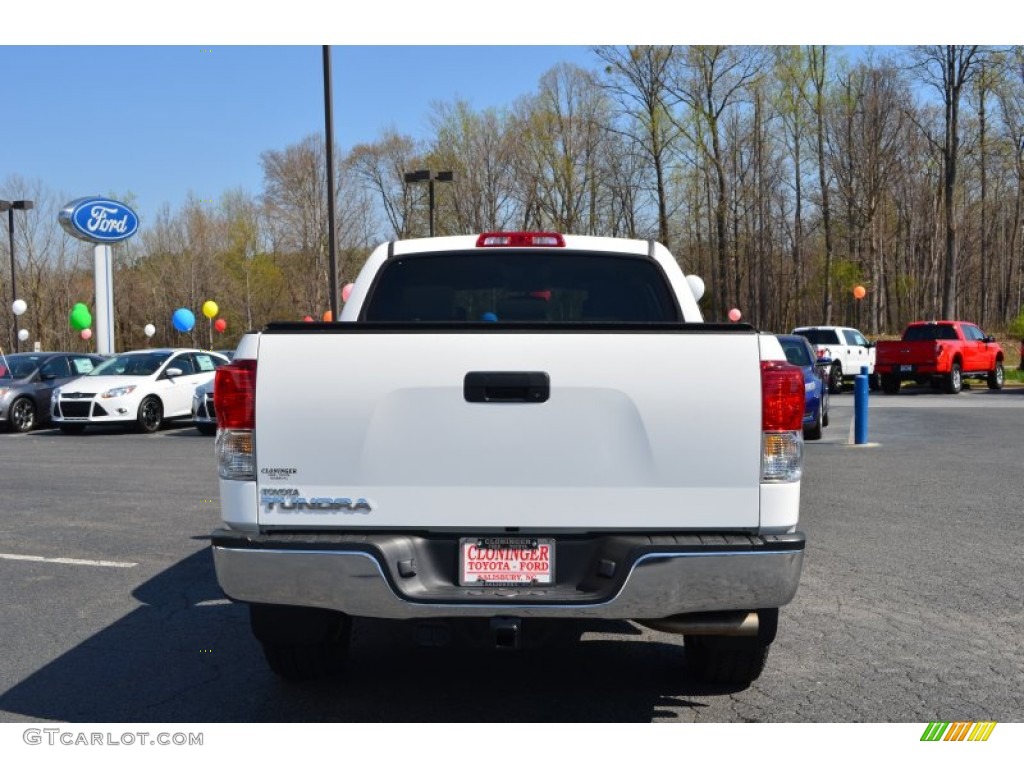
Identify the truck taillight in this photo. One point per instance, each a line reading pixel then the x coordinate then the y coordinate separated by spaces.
pixel 782 414
pixel 234 399
pixel 520 240
pixel 234 395
pixel 782 396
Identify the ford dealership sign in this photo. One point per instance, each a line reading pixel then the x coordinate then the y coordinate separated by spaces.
pixel 98 220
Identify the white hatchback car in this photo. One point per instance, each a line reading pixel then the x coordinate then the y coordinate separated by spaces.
pixel 147 387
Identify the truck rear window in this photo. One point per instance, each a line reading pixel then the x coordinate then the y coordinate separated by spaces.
pixel 819 335
pixel 929 333
pixel 521 286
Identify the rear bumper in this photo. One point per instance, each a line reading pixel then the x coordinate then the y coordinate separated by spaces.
pixel 905 371
pixel 407 576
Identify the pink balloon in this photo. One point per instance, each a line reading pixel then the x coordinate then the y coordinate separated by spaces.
pixel 86 333
pixel 346 291
pixel 735 315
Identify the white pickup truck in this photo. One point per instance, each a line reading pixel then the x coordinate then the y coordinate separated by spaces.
pixel 512 430
pixel 848 350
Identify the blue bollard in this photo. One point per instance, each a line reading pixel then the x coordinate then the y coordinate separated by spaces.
pixel 860 406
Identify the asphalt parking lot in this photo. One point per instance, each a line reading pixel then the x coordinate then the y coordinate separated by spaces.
pixel 911 604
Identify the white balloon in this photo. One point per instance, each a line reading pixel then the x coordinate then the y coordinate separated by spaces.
pixel 23 335
pixel 150 329
pixel 19 307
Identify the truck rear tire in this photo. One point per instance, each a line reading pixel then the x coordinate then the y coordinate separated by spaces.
pixel 315 661
pixel 890 384
pixel 727 660
pixel 835 379
pixel 953 382
pixel 302 643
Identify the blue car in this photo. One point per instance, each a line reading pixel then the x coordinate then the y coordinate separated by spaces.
pixel 800 353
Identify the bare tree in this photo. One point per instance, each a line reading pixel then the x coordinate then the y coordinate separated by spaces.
pixel 562 132
pixel 709 80
pixel 637 76
pixel 382 166
pixel 479 149
pixel 949 68
pixel 868 153
pixel 817 69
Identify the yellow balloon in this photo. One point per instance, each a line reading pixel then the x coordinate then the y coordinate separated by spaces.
pixel 210 309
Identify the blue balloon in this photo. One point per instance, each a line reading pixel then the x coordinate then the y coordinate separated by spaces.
pixel 489 317
pixel 183 320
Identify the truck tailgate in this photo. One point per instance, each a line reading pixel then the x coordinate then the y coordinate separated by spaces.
pixel 646 430
pixel 905 353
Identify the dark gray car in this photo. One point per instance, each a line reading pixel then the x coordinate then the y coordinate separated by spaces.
pixel 27 381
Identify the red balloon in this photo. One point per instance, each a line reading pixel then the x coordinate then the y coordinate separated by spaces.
pixel 735 315
pixel 347 291
pixel 859 292
pixel 307 319
pixel 220 325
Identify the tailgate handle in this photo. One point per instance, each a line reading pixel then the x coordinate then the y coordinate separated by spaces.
pixel 506 387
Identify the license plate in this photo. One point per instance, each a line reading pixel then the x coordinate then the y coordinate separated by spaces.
pixel 501 561
pixel 906 369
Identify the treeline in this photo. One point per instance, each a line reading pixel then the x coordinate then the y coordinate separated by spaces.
pixel 785 176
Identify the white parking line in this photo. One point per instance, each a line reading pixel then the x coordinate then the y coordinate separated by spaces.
pixel 67 561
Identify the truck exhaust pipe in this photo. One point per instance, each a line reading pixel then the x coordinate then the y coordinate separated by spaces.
pixel 732 623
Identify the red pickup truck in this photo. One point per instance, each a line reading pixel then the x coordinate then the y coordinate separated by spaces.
pixel 942 353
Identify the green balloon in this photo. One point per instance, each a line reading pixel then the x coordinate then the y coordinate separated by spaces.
pixel 80 317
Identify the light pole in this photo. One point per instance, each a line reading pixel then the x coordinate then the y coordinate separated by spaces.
pixel 425 175
pixel 10 206
pixel 332 249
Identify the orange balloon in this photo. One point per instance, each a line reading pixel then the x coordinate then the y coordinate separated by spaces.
pixel 328 316
pixel 859 292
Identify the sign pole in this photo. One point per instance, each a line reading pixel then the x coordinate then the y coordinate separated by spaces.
pixel 104 281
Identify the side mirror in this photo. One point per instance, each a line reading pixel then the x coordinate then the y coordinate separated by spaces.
pixel 47 376
pixel 696 286
pixel 171 373
pixel 989 339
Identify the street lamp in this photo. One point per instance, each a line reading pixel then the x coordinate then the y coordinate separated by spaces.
pixel 10 206
pixel 412 177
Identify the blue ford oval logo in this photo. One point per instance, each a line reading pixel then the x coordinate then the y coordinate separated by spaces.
pixel 98 220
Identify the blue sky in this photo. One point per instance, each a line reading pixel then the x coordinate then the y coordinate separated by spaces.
pixel 161 122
